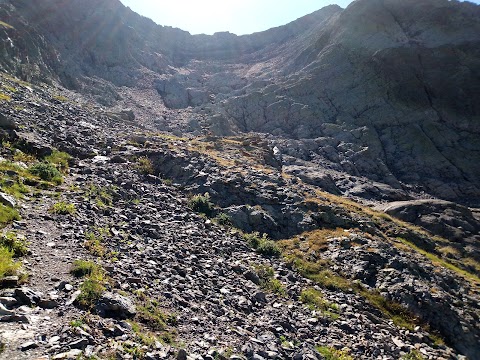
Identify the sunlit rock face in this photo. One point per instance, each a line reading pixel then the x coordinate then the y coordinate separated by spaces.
pixel 385 90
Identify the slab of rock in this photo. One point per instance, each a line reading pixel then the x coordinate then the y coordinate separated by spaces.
pixel 7 200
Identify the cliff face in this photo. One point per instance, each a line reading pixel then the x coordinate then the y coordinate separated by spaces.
pixel 377 103
pixel 387 89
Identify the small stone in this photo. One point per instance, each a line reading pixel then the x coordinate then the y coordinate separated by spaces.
pixel 79 344
pixel 27 296
pixel 8 301
pixel 15 318
pixel 182 355
pixel 260 297
pixel 5 311
pixel 72 354
pixel 7 200
pixel 252 276
pixel 9 281
pixel 28 346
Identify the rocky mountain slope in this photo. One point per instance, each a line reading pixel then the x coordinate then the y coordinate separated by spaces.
pixel 141 165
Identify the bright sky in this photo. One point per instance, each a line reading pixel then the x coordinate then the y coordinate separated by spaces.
pixel 237 16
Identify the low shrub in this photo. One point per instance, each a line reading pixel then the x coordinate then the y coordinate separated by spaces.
pixel 82 268
pixel 223 219
pixel 47 172
pixel 93 287
pixel 262 244
pixel 60 159
pixel 201 204
pixel 145 166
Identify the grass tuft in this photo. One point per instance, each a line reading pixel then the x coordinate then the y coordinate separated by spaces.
pixel 262 244
pixel 81 268
pixel 47 172
pixel 63 208
pixel 201 204
pixel 8 267
pixel 330 353
pixel 17 245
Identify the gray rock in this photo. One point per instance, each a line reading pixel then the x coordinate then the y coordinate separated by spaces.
pixel 27 296
pixel 7 200
pixel 112 305
pixel 6 122
pixel 28 346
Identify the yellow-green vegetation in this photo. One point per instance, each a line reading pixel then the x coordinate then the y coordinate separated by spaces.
pixel 330 353
pixel 76 323
pixel 145 166
pixel 14 243
pixel 298 252
pixel 150 316
pixel 315 300
pixel 102 196
pixel 8 266
pixel 5 25
pixel 81 268
pixel 7 215
pixel 223 219
pixel 63 208
pixel 413 355
pixel 5 97
pixel 440 262
pixel 268 281
pixel 9 88
pixel 93 286
pixel 59 159
pixel 94 241
pixel 201 204
pixel 262 244
pixel 60 98
pixel 20 156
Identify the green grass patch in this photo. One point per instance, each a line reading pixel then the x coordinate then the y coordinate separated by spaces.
pixel 439 262
pixel 47 172
pixel 101 196
pixel 315 301
pixel 60 159
pixel 201 204
pixel 413 355
pixel 5 97
pixel 16 244
pixel 94 243
pixel 8 266
pixel 223 219
pixel 93 287
pixel 145 166
pixel 330 353
pixel 262 244
pixel 63 208
pixel 268 281
pixel 8 215
pixel 60 98
pixel 81 268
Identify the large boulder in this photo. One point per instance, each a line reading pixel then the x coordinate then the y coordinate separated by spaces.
pixel 112 305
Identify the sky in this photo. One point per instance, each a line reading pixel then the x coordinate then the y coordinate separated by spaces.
pixel 236 16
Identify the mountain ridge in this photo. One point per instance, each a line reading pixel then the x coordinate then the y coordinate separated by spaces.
pixel 350 137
